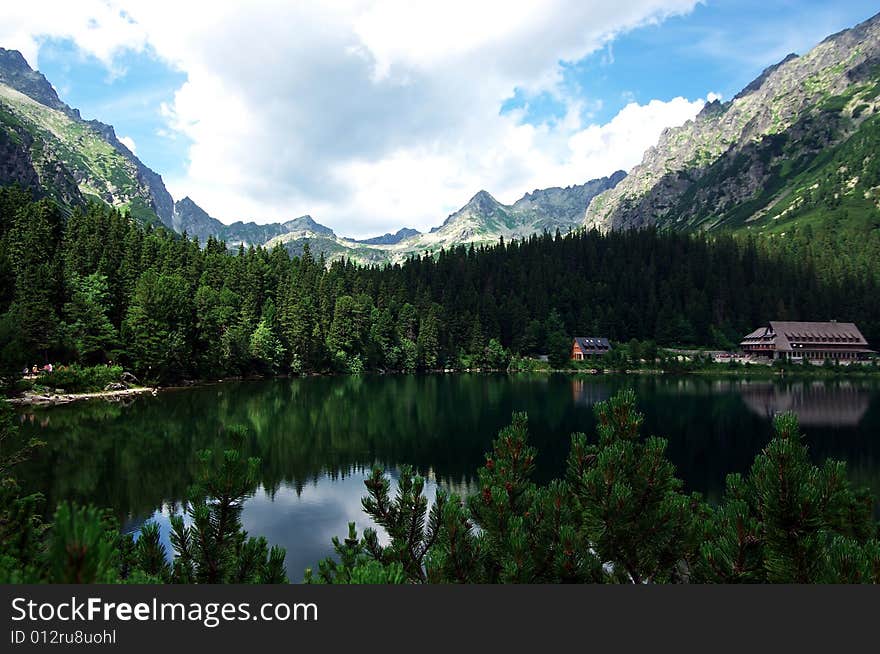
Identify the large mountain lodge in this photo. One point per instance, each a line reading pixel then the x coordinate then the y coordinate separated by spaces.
pixel 807 340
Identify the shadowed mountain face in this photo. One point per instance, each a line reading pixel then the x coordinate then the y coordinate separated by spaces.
pixel 49 148
pixel 191 219
pixel 391 239
pixel 742 163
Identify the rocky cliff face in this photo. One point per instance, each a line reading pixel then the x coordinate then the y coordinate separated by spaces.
pixel 15 161
pixel 17 74
pixel 731 163
pixel 45 175
pixel 150 181
pixel 190 218
pixel 72 158
pixel 562 208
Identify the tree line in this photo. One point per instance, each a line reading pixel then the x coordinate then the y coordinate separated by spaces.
pixel 96 287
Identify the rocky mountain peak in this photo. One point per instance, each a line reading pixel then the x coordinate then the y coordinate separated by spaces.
pixel 17 74
pixel 189 217
pixel 562 208
pixel 483 201
pixel 187 203
pixel 480 206
pixel 616 177
pixel 307 224
pixel 859 31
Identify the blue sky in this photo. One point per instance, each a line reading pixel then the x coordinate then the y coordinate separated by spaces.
pixel 376 114
pixel 129 97
pixel 721 45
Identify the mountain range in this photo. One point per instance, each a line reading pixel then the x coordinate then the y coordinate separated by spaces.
pixel 800 134
pixel 483 220
pixel 47 146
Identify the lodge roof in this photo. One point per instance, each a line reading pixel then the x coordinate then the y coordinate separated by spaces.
pixel 592 343
pixel 784 334
pixel 758 333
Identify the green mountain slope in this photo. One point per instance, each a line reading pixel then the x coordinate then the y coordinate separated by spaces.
pixel 46 146
pixel 841 181
pixel 742 163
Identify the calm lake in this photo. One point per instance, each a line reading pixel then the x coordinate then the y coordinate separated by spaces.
pixel 318 438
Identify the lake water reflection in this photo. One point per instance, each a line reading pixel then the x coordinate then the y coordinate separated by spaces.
pixel 319 437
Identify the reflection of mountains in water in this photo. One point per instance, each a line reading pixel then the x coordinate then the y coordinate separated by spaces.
pixel 815 404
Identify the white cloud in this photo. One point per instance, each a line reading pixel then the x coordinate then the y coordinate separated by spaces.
pixel 128 142
pixel 517 158
pixel 369 115
pixel 621 142
pixel 99 28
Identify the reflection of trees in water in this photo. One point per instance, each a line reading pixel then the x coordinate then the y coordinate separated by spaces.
pixel 308 430
pixel 712 430
pixel 137 458
pixel 815 403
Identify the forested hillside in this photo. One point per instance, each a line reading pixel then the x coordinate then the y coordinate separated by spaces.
pixel 98 286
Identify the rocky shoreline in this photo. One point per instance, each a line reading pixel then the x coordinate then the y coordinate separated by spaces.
pixel 46 399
